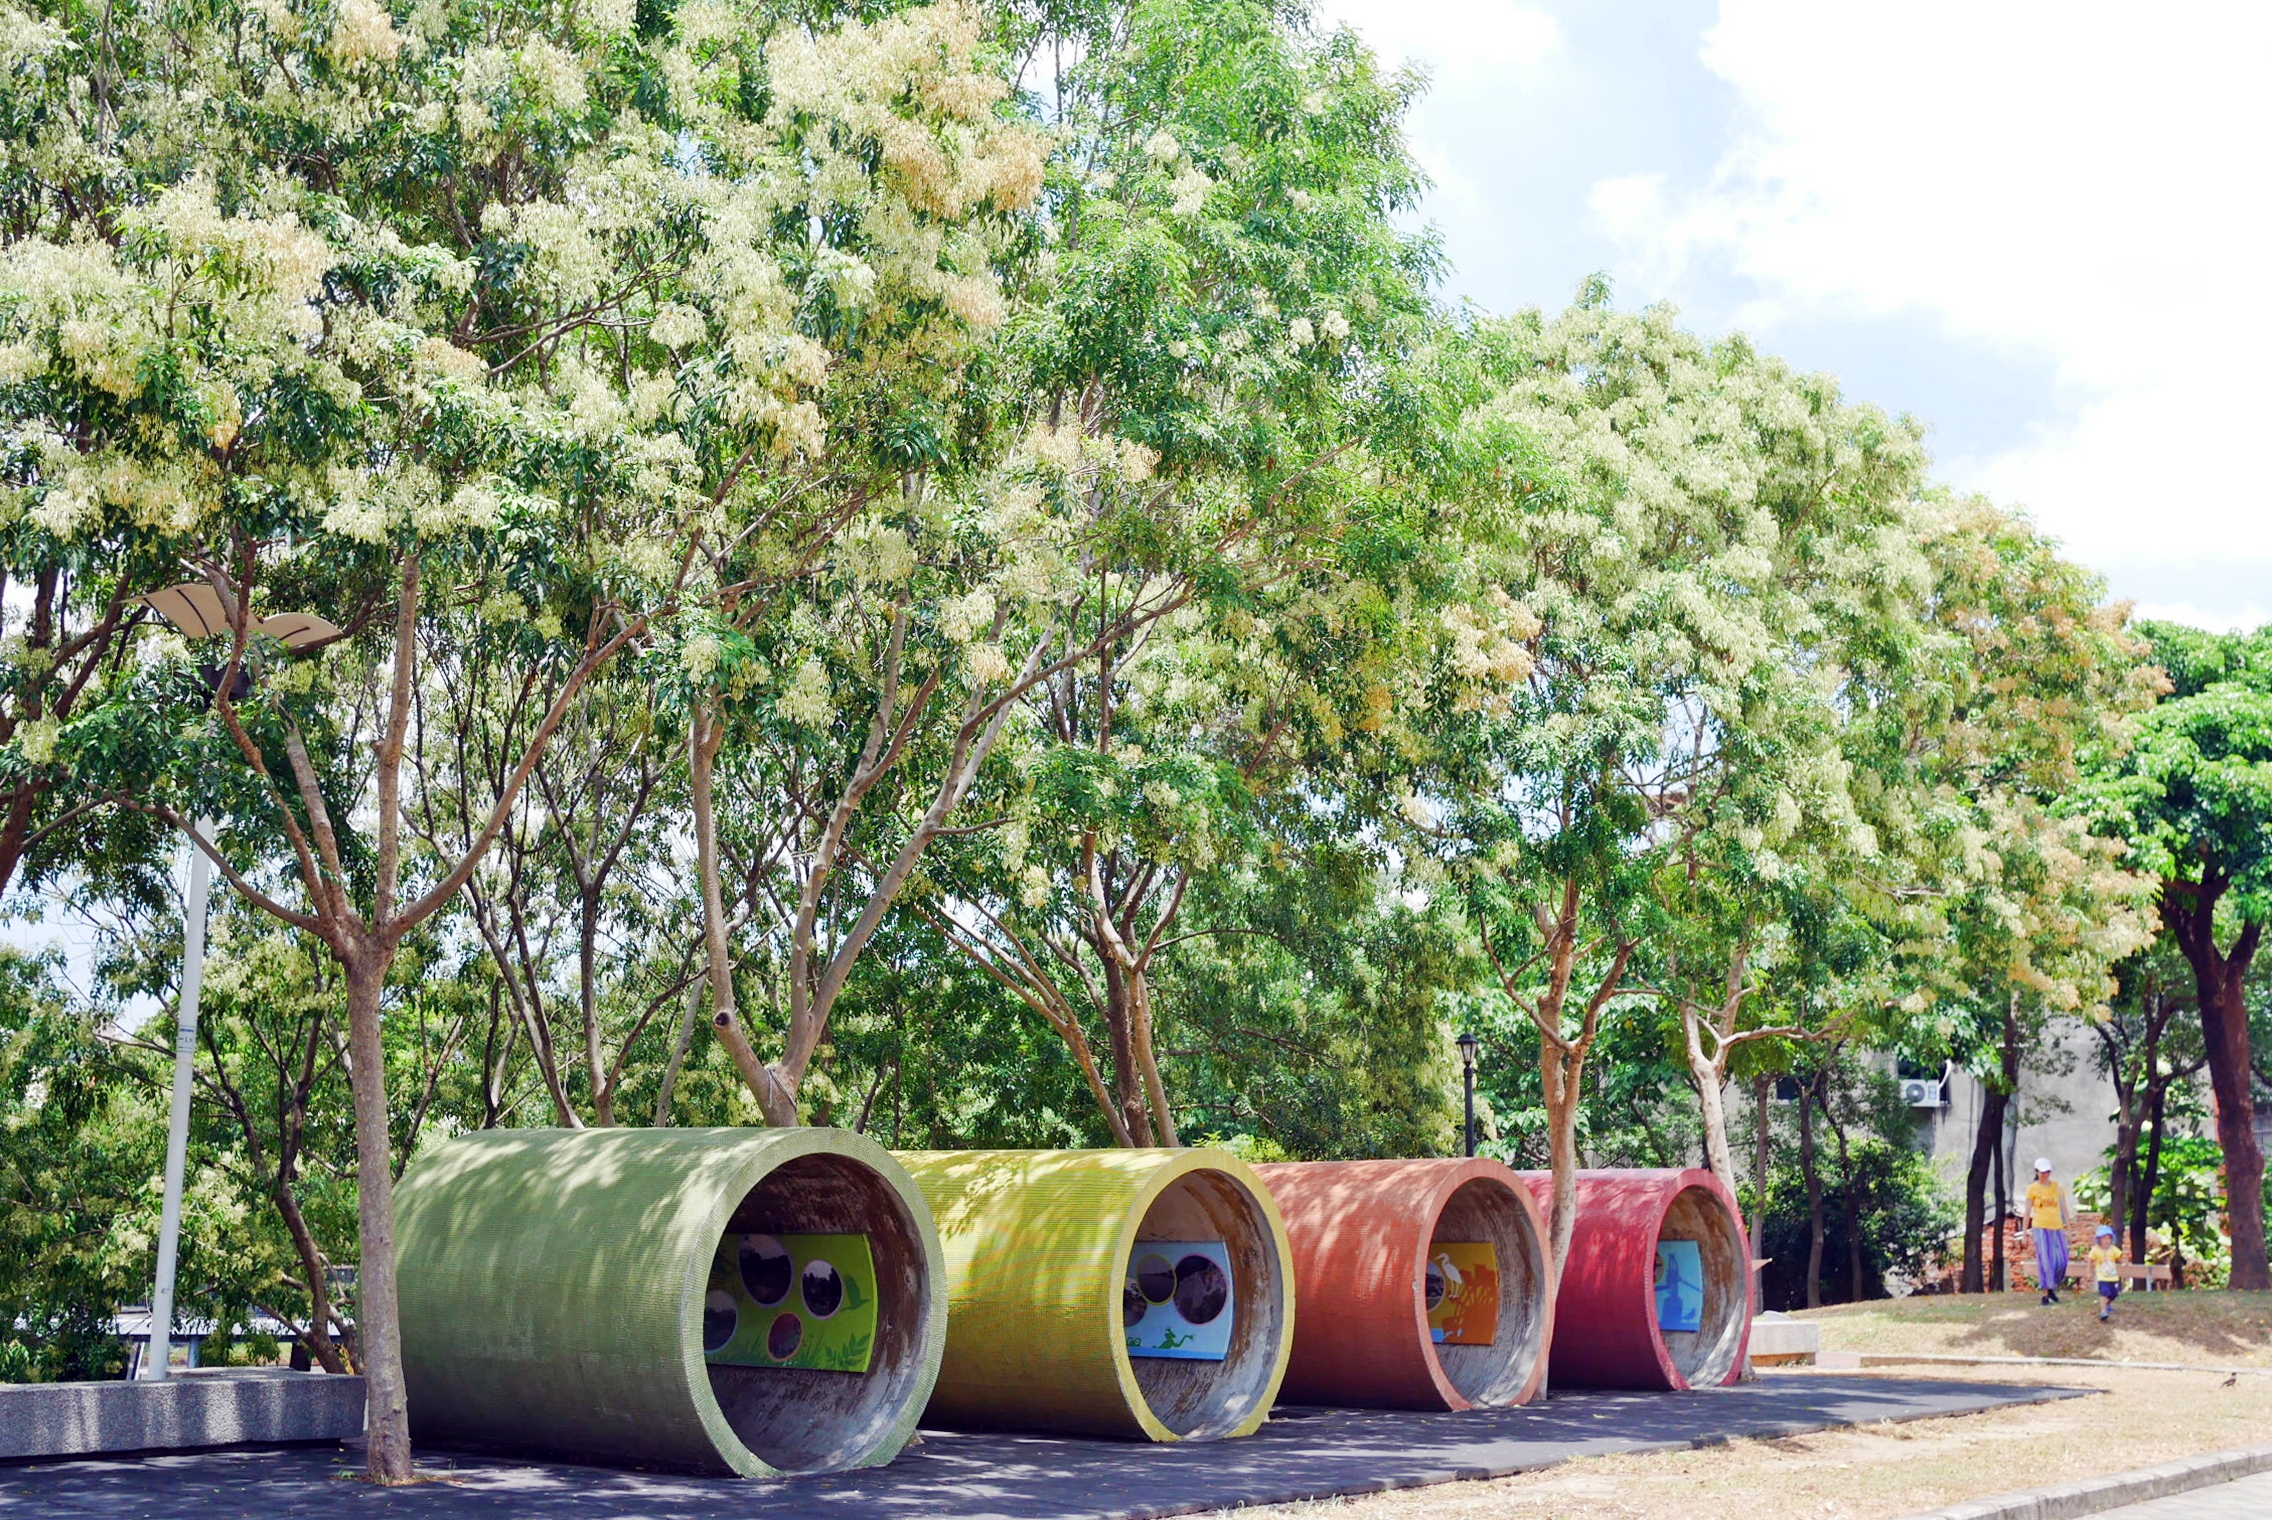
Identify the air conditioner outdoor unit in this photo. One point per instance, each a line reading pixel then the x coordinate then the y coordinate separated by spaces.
pixel 1921 1092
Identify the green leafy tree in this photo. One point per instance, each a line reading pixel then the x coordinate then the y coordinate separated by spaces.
pixel 2194 796
pixel 79 1144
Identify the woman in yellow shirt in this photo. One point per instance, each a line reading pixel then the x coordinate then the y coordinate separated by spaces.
pixel 2047 1212
pixel 2106 1268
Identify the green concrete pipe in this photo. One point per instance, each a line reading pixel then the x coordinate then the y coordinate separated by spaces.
pixel 1038 1245
pixel 553 1286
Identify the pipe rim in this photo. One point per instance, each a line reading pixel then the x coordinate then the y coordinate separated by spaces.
pixel 1175 1166
pixel 1448 1181
pixel 780 1147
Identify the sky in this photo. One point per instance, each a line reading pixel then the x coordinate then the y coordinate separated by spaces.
pixel 2037 228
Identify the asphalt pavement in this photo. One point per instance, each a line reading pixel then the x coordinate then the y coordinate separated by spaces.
pixel 1299 1454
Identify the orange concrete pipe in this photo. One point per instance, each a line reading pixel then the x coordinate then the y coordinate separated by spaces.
pixel 1363 1235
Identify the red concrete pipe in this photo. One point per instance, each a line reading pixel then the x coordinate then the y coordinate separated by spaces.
pixel 1605 1312
pixel 1365 1236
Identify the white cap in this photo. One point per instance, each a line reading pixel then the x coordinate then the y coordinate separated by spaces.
pixel 2043 1163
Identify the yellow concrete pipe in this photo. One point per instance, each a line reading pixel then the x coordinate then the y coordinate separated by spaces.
pixel 1038 1248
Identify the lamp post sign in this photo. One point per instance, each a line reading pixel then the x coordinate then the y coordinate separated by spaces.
pixel 194 609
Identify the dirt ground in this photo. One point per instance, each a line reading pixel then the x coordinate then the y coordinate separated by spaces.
pixel 2219 1329
pixel 1868 1471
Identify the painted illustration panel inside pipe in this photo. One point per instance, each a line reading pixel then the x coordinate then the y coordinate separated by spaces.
pixel 1177 1301
pixel 1133 1293
pixel 1420 1284
pixel 752 1301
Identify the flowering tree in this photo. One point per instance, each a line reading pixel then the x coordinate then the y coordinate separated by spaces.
pixel 506 305
pixel 1194 340
pixel 1689 546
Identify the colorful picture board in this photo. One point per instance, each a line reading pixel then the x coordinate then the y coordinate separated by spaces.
pixel 1461 1286
pixel 1177 1301
pixel 1680 1285
pixel 791 1301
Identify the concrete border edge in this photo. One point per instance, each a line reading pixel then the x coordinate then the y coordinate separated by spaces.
pixel 2092 1496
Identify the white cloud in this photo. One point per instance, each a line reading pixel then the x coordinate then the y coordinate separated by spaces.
pixel 2082 182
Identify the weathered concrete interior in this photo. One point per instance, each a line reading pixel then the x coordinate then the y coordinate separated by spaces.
pixel 1497 1374
pixel 801 1419
pixel 1706 1356
pixel 1202 1400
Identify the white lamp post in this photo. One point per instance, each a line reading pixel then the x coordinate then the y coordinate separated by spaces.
pixel 195 608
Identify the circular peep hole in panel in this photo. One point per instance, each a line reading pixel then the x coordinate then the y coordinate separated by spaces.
pixel 823 1288
pixel 720 1319
pixel 1201 1289
pixel 766 1269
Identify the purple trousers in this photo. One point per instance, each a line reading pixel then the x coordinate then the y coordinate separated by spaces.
pixel 2050 1258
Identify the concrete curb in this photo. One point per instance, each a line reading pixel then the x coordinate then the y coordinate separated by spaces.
pixel 2094 1495
pixel 1856 1361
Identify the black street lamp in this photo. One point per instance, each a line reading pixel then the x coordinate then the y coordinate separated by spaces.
pixel 1469 1047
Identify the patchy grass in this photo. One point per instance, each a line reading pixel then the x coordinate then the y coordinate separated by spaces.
pixel 2204 1328
pixel 1867 1472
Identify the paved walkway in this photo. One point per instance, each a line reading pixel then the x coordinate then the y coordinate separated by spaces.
pixel 1299 1454
pixel 2247 1499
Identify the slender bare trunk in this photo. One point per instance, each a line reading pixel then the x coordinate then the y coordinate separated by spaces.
pixel 1813 1175
pixel 1999 1281
pixel 1761 1088
pixel 1562 1075
pixel 587 971
pixel 320 1344
pixel 667 1092
pixel 725 1017
pixel 1710 1076
pixel 1120 1025
pixel 2151 1181
pixel 1147 1059
pixel 378 1331
pixel 1985 1144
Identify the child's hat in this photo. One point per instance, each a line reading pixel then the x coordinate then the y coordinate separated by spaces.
pixel 2043 1163
pixel 2106 1232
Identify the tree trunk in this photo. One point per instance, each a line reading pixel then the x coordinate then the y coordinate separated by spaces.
pixel 1998 1280
pixel 378 1329
pixel 1850 1187
pixel 667 1090
pixel 1560 1079
pixel 587 974
pixel 1127 1082
pixel 707 733
pixel 1813 1176
pixel 1147 1058
pixel 2144 1218
pixel 2190 909
pixel 319 1342
pixel 1762 1088
pixel 2224 1028
pixel 1709 1075
pixel 1986 1145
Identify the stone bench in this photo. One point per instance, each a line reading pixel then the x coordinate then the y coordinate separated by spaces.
pixel 1778 1340
pixel 210 1406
